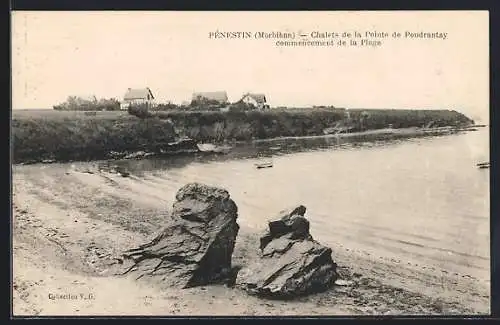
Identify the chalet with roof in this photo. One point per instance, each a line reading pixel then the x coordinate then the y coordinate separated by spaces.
pixel 257 100
pixel 215 96
pixel 137 96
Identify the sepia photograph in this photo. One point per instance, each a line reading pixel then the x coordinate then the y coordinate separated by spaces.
pixel 250 163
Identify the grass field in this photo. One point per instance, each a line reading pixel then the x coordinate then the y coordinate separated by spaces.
pixel 53 114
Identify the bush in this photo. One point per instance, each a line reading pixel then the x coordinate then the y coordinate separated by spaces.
pixel 108 105
pixel 241 107
pixel 167 107
pixel 140 110
pixel 205 104
pixel 74 103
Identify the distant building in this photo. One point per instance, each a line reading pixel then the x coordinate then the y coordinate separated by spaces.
pixel 257 100
pixel 217 96
pixel 135 96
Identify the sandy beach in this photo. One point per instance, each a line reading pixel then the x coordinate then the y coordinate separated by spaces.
pixel 69 225
pixel 372 129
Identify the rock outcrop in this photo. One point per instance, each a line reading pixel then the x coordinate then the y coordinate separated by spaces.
pixel 196 248
pixel 292 263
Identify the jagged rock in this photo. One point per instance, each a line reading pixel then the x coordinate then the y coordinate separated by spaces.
pixel 290 221
pixel 292 263
pixel 196 248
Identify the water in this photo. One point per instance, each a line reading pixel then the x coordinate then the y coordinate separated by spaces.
pixel 419 200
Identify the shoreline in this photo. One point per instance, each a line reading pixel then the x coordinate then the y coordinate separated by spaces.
pixel 65 136
pixel 414 131
pixel 224 147
pixel 67 226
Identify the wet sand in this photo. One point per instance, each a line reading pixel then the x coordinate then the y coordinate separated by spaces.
pixel 68 226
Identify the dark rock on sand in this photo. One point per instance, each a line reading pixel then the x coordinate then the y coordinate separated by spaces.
pixel 292 263
pixel 196 248
pixel 288 222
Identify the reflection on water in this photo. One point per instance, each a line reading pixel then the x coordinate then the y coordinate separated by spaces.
pixel 264 149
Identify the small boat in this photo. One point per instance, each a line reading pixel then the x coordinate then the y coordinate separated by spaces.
pixel 212 148
pixel 483 165
pixel 267 164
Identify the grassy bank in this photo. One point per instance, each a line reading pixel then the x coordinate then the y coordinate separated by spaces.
pixel 241 126
pixel 220 126
pixel 58 135
pixel 81 137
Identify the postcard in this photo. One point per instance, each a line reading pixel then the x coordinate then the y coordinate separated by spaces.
pixel 264 163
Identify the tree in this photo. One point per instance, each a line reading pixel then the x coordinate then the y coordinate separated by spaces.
pixel 241 107
pixel 71 103
pixel 111 104
pixel 74 103
pixel 363 117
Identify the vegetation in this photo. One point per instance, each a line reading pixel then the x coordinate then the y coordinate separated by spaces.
pixel 169 107
pixel 204 104
pixel 201 103
pixel 64 135
pixel 241 107
pixel 82 137
pixel 74 103
pixel 141 111
pixel 254 124
pixel 399 118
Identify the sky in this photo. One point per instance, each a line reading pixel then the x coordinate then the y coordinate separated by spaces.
pixel 57 54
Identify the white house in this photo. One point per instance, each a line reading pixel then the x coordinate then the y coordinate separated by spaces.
pixel 137 96
pixel 257 100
